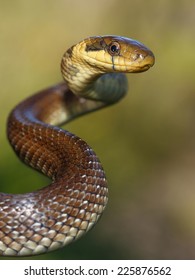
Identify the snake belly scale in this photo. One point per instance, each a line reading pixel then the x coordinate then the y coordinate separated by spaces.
pixel 50 218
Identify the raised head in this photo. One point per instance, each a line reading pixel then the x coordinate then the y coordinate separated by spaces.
pixel 84 64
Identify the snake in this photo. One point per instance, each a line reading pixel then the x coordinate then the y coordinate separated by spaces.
pixel 49 218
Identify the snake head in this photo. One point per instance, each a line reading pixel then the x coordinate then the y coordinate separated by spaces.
pixel 117 54
pixel 84 65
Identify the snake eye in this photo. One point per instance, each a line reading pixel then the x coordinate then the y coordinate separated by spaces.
pixel 114 48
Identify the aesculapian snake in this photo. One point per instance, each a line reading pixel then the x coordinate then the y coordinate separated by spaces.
pixel 49 218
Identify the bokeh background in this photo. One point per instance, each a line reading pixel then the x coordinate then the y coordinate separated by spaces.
pixel 146 142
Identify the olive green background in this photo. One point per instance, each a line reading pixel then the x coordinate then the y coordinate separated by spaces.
pixel 145 142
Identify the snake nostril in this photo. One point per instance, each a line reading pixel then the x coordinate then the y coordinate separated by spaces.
pixel 136 56
pixel 141 56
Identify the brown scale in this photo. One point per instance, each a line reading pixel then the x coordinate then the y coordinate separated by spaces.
pixel 42 214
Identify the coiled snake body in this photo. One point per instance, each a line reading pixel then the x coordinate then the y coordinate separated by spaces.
pixel 54 216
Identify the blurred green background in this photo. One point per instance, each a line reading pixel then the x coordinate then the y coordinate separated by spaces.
pixel 146 142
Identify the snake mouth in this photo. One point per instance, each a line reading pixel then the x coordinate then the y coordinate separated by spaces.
pixel 133 67
pixel 145 67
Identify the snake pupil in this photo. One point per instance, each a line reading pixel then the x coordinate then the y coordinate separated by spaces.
pixel 114 48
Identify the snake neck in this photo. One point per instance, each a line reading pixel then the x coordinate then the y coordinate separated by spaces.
pixel 85 80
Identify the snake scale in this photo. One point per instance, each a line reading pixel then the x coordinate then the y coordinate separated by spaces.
pixel 50 218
